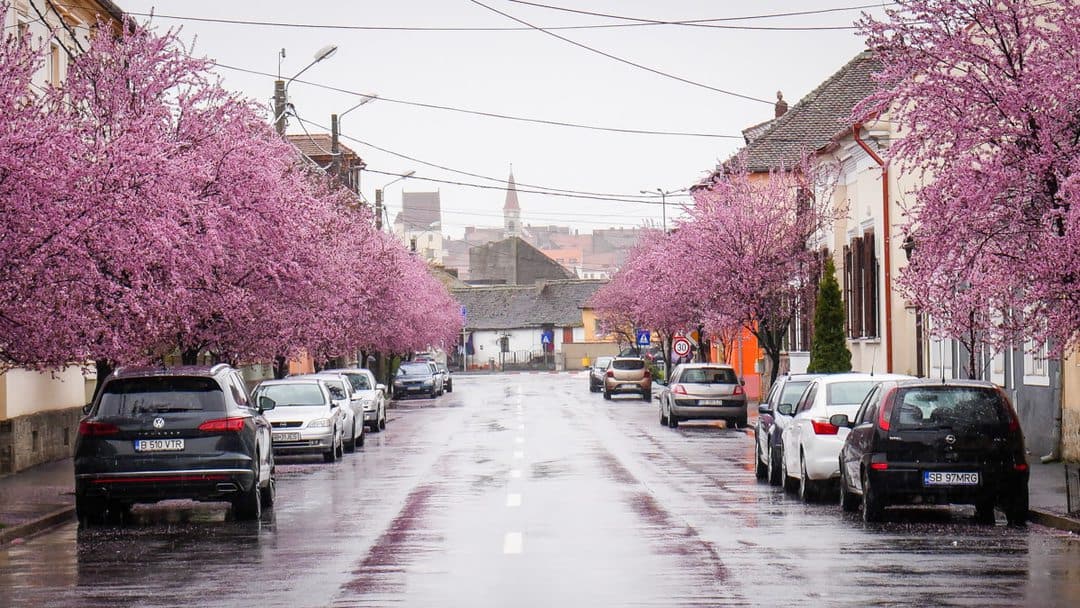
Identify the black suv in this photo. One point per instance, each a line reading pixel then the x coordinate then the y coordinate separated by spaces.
pixel 185 432
pixel 928 441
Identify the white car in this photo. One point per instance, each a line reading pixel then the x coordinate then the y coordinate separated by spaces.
pixel 352 404
pixel 372 395
pixel 303 417
pixel 811 454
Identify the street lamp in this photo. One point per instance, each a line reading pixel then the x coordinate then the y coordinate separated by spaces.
pixel 379 198
pixel 335 140
pixel 663 201
pixel 281 88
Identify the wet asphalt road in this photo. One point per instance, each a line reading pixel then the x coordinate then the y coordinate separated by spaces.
pixel 527 490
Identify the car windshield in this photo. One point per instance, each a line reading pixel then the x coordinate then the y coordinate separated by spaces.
pixel 161 395
pixel 792 391
pixel 359 382
pixel 336 388
pixel 628 364
pixel 603 362
pixel 949 407
pixel 414 369
pixel 709 375
pixel 292 394
pixel 849 393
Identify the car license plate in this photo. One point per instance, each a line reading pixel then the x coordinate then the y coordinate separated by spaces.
pixel 286 436
pixel 711 402
pixel 940 478
pixel 159 445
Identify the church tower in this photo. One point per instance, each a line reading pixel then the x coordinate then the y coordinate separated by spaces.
pixel 511 209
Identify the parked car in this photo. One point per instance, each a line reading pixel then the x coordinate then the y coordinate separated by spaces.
pixel 304 417
pixel 447 377
pixel 928 441
pixel 768 431
pixel 628 375
pixel 703 391
pixel 596 373
pixel 185 432
pixel 415 378
pixel 810 457
pixel 372 394
pixel 341 390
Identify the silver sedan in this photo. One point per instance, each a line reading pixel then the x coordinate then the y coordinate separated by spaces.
pixel 703 391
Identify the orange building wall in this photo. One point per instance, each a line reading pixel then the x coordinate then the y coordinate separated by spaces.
pixel 744 358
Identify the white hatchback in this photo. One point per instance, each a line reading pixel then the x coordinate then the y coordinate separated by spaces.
pixel 812 445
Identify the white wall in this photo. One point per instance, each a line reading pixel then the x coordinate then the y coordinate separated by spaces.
pixel 26 392
pixel 486 342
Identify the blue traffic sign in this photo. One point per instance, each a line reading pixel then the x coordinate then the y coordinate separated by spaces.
pixel 644 337
pixel 547 336
pixel 464 312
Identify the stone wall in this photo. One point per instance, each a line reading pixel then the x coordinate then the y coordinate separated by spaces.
pixel 38 438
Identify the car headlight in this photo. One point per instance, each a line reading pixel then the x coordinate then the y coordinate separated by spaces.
pixel 429 382
pixel 369 404
pixel 321 422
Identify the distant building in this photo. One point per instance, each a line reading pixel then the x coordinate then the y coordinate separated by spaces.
pixel 419 225
pixel 317 148
pixel 512 261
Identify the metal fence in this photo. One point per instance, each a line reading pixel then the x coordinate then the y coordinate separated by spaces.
pixel 526 360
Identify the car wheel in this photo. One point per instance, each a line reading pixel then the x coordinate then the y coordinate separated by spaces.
pixel 740 423
pixel 789 482
pixel 761 469
pixel 1016 512
pixel 646 396
pixel 808 488
pixel 774 467
pixel 663 418
pixel 672 420
pixel 248 506
pixel 382 421
pixel 607 395
pixel 90 511
pixel 350 445
pixel 873 507
pixel 269 492
pixel 360 440
pixel 331 454
pixel 340 452
pixel 848 501
pixel 449 388
pixel 984 511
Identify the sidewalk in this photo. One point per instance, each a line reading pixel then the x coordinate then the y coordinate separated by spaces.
pixel 43 497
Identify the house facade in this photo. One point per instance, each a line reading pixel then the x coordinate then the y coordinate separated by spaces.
pixel 419 225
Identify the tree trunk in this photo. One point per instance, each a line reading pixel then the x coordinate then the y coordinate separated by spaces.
pixel 189 356
pixel 103 367
pixel 281 367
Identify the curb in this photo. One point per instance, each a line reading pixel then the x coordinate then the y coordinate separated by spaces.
pixel 1053 520
pixel 49 520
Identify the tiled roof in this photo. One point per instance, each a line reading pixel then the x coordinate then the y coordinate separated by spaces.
pixel 755 131
pixel 317 145
pixel 420 211
pixel 812 123
pixel 558 303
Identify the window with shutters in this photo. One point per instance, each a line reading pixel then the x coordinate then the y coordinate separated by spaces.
pixel 861 287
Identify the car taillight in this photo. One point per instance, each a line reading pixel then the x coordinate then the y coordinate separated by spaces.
pixel 738 390
pixel 648 374
pixel 678 389
pixel 1021 467
pixel 885 411
pixel 879 466
pixel 822 427
pixel 610 374
pixel 224 425
pixel 97 429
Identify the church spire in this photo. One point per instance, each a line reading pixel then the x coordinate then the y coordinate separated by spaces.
pixel 511 194
pixel 511 209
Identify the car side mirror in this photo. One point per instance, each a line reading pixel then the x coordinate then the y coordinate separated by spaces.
pixel 266 404
pixel 840 420
pixel 333 403
pixel 786 409
pixel 380 387
pixel 763 408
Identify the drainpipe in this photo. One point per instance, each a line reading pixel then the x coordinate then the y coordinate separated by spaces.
pixel 887 243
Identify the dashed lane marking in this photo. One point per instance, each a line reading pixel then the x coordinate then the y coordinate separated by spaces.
pixel 513 543
pixel 513 500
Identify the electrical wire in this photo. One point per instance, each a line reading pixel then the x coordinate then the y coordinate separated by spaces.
pixel 707 22
pixel 620 59
pixel 542 121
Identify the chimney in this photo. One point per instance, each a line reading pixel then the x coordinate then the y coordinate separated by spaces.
pixel 781 105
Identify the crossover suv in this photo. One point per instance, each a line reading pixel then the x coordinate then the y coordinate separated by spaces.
pixel 304 416
pixel 928 441
pixel 812 443
pixel 596 373
pixel 187 432
pixel 768 433
pixel 628 375
pixel 703 391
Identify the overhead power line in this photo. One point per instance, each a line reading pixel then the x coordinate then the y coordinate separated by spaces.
pixel 620 59
pixel 541 121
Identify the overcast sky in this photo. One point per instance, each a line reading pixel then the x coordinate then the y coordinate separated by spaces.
pixel 526 73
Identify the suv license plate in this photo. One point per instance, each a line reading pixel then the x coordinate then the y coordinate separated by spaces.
pixel 935 478
pixel 159 445
pixel 286 436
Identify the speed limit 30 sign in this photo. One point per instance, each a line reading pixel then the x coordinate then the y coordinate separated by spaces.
pixel 681 346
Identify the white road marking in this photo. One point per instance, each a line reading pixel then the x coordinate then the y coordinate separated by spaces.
pixel 519 454
pixel 521 427
pixel 515 474
pixel 519 440
pixel 514 543
pixel 513 500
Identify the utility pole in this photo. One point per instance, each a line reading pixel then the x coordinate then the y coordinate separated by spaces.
pixel 378 210
pixel 335 149
pixel 279 107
